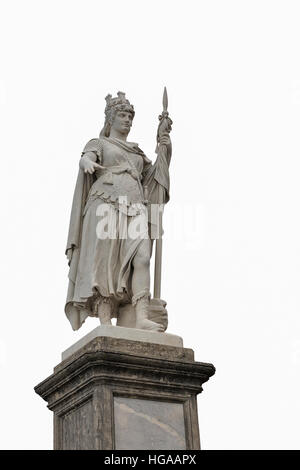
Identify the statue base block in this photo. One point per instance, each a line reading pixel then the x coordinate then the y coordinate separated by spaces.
pixel 117 393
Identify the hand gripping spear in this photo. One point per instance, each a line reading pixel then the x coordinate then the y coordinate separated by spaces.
pixel 164 129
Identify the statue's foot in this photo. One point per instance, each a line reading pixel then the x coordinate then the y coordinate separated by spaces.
pixel 149 325
pixel 142 313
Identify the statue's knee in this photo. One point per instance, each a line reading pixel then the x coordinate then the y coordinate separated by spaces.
pixel 141 261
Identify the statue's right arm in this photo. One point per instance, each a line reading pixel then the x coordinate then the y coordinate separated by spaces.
pixel 88 162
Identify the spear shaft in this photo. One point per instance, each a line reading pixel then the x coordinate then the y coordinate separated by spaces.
pixel 163 128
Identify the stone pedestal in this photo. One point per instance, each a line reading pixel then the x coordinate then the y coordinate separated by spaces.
pixel 119 393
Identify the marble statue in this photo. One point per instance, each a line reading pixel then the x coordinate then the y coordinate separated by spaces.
pixel 113 225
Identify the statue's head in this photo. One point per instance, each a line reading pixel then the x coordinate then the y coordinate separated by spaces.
pixel 119 114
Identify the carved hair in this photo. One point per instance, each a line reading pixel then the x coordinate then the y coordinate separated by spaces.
pixel 113 105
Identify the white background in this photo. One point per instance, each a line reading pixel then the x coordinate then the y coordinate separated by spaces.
pixel 233 75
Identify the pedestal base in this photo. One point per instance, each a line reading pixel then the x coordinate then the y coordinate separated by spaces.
pixel 115 393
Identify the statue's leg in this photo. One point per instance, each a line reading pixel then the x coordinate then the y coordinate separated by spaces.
pixel 141 287
pixel 104 310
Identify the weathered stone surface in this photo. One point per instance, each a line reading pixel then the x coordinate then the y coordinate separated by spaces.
pixel 148 424
pixel 83 388
pixel 124 333
pixel 78 419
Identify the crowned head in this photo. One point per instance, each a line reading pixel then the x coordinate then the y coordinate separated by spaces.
pixel 116 107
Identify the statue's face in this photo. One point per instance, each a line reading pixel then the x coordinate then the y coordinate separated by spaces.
pixel 122 122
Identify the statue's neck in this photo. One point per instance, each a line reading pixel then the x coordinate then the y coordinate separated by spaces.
pixel 117 135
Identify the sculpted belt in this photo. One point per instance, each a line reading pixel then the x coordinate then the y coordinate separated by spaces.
pixel 117 170
pixel 123 168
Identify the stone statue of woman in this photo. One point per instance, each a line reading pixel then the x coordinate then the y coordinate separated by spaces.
pixel 116 184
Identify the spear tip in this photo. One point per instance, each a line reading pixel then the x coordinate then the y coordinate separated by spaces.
pixel 165 99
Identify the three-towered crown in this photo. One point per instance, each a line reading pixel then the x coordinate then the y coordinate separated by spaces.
pixel 119 103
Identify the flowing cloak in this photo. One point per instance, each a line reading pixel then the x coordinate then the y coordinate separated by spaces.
pixel 152 175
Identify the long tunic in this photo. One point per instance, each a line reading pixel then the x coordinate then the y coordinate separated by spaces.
pixel 105 206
